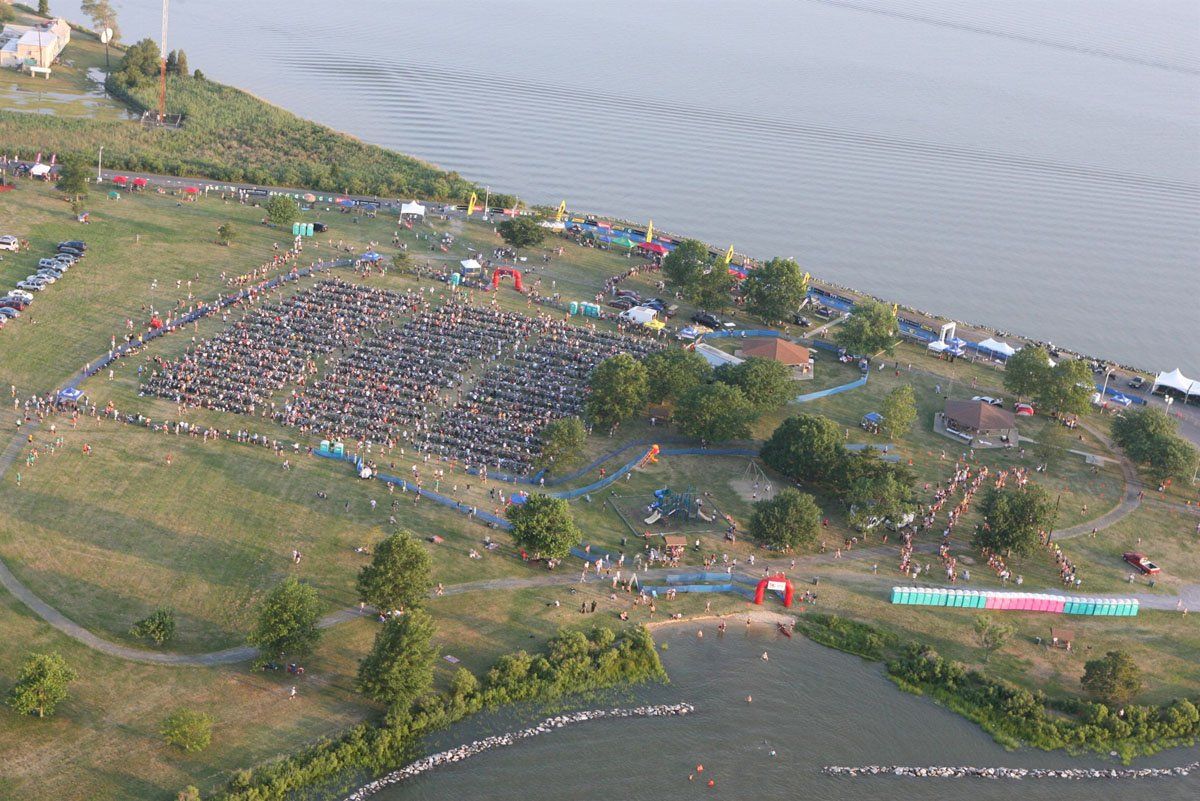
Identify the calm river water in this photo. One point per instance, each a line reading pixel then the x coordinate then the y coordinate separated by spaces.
pixel 1028 165
pixel 812 706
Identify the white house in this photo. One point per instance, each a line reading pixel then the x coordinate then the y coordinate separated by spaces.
pixel 33 45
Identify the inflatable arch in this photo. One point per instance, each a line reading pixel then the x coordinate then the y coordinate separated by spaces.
pixel 500 272
pixel 776 583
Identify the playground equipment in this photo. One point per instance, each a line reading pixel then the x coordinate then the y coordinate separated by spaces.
pixel 777 583
pixel 500 272
pixel 651 457
pixel 667 504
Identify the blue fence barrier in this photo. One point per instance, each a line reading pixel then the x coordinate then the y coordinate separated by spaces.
pixel 825 393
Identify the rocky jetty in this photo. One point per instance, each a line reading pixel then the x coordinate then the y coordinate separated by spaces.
pixel 942 772
pixel 500 740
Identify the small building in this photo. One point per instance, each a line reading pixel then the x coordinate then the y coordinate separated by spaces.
pixel 783 351
pixel 715 356
pixel 983 424
pixel 25 46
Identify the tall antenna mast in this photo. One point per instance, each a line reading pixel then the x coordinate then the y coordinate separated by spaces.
pixel 162 69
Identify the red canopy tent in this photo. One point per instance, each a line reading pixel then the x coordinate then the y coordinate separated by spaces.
pixel 140 182
pixel 191 190
pixel 120 179
pixel 652 247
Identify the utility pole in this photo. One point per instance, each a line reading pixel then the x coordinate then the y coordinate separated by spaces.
pixel 99 163
pixel 162 69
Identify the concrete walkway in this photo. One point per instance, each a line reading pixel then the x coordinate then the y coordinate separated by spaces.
pixel 1129 501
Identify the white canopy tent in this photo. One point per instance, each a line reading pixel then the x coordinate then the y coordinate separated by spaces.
pixel 1177 381
pixel 38 170
pixel 937 346
pixel 996 346
pixel 414 208
pixel 470 266
pixel 553 225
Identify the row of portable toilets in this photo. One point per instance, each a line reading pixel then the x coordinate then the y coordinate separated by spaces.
pixel 1026 601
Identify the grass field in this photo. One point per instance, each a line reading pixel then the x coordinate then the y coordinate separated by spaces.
pixel 108 537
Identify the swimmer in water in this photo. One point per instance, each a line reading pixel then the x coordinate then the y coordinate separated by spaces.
pixel 765 657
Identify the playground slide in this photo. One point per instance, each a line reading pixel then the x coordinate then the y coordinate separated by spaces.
pixel 707 518
pixel 654 518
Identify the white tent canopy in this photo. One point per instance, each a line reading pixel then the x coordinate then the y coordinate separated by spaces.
pixel 39 170
pixel 937 346
pixel 471 266
pixel 414 208
pixel 996 346
pixel 553 225
pixel 1177 381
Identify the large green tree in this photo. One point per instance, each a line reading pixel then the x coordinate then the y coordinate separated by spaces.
pixel 789 520
pixel 287 621
pixel 992 634
pixel 1066 388
pixel 544 526
pixel 139 64
pixel 807 447
pixel 43 8
pixel 775 290
pixel 1113 679
pixel 1026 371
pixel 871 487
pixel 102 15
pixel 1149 437
pixel 562 443
pixel 282 210
pixel 899 411
pixel 870 328
pixel 399 668
pixel 766 383
pixel 686 264
pixel 522 232
pixel 619 390
pixel 674 371
pixel 711 290
pixel 715 412
pixel 41 685
pixel 188 730
pixel 399 576
pixel 1013 516
pixel 73 173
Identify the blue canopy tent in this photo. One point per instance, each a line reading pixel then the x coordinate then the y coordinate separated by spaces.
pixel 370 255
pixel 871 421
pixel 70 395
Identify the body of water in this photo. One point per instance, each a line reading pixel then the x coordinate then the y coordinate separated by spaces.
pixel 799 711
pixel 1027 165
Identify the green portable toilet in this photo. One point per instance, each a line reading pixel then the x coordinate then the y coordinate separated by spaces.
pixel 1104 607
pixel 1126 607
pixel 895 595
pixel 573 308
pixel 908 596
pixel 295 229
pixel 324 446
pixel 1070 607
pixel 940 597
pixel 917 596
pixel 455 279
pixel 980 600
pixel 1134 605
pixel 308 229
pixel 956 598
pixel 339 449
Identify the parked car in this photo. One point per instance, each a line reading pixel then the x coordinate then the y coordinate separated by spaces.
pixel 71 251
pixel 77 244
pixel 9 243
pixel 9 312
pixel 20 304
pixel 988 399
pixel 32 286
pixel 671 311
pixel 16 293
pixel 710 320
pixel 621 303
pixel 1023 409
pixel 1142 563
pixel 51 273
pixel 320 227
pixel 800 320
pixel 66 258
pixel 1137 382
pixel 46 262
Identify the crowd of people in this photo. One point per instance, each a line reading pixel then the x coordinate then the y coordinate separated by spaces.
pixel 241 368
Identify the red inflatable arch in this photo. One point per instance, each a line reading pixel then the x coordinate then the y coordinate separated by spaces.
pixel 776 583
pixel 500 272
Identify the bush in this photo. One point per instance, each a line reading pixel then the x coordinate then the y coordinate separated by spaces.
pixel 188 730
pixel 158 626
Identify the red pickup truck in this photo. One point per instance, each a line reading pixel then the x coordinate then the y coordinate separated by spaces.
pixel 1142 563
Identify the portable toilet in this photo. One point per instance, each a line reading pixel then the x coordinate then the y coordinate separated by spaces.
pixel 1103 609
pixel 339 449
pixel 907 596
pixel 940 597
pixel 295 229
pixel 573 308
pixel 324 446
pixel 455 279
pixel 308 229
pixel 1134 604
pixel 895 595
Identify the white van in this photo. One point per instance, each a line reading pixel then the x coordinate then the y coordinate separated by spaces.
pixel 9 243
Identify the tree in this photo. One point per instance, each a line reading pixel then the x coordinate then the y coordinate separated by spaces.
pixel 172 63
pixel 766 383
pixel 870 328
pixel 807 447
pixel 522 232
pixel 1066 388
pixel 226 234
pixel 1149 437
pixel 73 175
pixel 189 793
pixel 1013 518
pixel 899 411
pixel 715 412
pixel 711 290
pixel 789 520
pixel 140 63
pixel 44 8
pixel 775 290
pixel 686 264
pixel 287 621
pixel 562 442
pixel 871 487
pixel 41 685
pixel 158 626
pixel 543 526
pixel 399 668
pixel 188 730
pixel 181 64
pixel 619 389
pixel 673 371
pixel 399 576
pixel 6 13
pixel 1113 679
pixel 1026 371
pixel 102 15
pixel 282 210
pixel 992 634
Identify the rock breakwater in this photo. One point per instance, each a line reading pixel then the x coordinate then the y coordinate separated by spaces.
pixel 944 772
